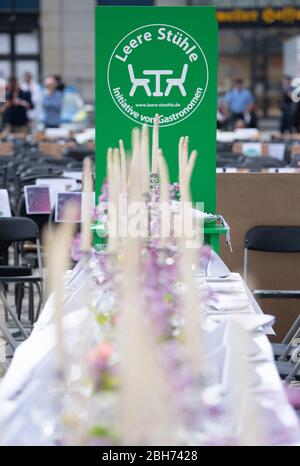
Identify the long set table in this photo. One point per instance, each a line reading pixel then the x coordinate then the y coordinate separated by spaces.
pixel 26 394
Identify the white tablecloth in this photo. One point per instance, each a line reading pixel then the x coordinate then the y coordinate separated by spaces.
pixel 31 359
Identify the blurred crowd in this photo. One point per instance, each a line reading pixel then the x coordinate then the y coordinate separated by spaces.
pixel 27 103
pixel 290 120
pixel 237 108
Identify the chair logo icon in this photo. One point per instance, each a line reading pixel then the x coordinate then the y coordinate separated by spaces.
pixel 145 82
pixel 157 68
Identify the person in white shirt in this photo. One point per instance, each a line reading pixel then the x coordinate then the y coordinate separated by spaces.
pixel 29 85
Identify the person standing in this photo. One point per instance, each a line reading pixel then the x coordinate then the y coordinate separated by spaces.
pixel 238 104
pixel 52 104
pixel 18 102
pixel 287 107
pixel 29 85
pixel 60 85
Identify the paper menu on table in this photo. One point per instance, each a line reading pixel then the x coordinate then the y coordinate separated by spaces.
pixel 37 200
pixel 57 185
pixel 63 198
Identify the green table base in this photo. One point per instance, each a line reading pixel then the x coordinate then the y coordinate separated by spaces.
pixel 212 234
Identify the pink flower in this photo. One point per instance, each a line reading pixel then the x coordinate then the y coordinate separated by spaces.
pixel 293 395
pixel 98 357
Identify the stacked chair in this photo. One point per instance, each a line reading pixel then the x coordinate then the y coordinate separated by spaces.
pixel 20 235
pixel 14 232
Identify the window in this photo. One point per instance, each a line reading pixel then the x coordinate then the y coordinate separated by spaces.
pixel 5 69
pixel 19 37
pixel 27 43
pixel 27 65
pixel 4 43
pixel 19 5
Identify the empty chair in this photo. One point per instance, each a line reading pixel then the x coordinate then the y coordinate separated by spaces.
pixel 57 163
pixel 138 82
pixel 17 230
pixel 262 162
pixel 283 239
pixel 29 176
pixel 224 147
pixel 41 220
pixel 295 163
pixel 228 159
pixel 277 239
pixel 79 153
pixel 177 82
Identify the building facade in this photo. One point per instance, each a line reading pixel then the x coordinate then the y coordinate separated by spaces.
pixel 57 37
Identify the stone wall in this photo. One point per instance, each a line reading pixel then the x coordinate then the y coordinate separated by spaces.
pixel 67 35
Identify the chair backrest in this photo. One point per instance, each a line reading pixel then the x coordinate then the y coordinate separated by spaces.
pixel 273 239
pixel 79 153
pixel 263 162
pixel 18 229
pixel 295 163
pixel 184 72
pixel 40 219
pixel 131 73
pixel 295 150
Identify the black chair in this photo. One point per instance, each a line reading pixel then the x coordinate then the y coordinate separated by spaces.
pixel 278 239
pixel 79 153
pixel 30 176
pixel 228 160
pixel 53 162
pixel 258 163
pixel 295 163
pixel 15 231
pixel 40 219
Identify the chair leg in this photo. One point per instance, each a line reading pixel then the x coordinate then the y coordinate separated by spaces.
pixel 294 372
pixel 167 91
pixel 11 312
pixel 41 300
pixel 8 336
pixel 147 89
pixel 31 304
pixel 289 346
pixel 5 290
pixel 182 89
pixel 19 295
pixel 132 90
pixel 292 331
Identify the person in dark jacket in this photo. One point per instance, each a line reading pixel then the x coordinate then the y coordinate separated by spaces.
pixel 15 108
pixel 286 122
pixel 60 85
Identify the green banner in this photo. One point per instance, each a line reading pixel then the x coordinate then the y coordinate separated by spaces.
pixel 159 60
